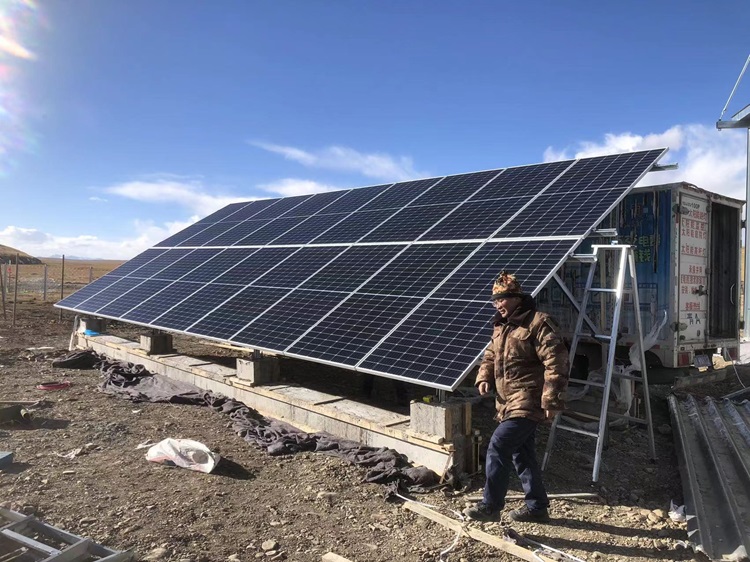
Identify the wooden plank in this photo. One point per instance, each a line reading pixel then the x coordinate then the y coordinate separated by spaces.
pixel 579 495
pixel 486 538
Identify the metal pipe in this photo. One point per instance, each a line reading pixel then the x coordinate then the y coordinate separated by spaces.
pixel 62 283
pixel 746 292
pixel 44 286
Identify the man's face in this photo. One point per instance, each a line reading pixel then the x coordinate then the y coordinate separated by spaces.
pixel 506 306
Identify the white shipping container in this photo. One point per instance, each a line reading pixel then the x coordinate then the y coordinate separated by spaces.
pixel 687 251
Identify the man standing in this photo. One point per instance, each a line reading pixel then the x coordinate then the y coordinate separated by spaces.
pixel 528 364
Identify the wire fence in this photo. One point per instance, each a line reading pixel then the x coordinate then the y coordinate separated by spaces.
pixel 47 282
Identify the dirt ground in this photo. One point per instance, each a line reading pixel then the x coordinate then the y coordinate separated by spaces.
pixel 307 504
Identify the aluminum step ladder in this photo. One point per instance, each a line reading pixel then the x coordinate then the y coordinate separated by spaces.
pixel 625 265
pixel 25 538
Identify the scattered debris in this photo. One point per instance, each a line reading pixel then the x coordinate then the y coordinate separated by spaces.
pixel 55 385
pixel 331 557
pixel 677 513
pixel 270 544
pixel 77 451
pixel 184 453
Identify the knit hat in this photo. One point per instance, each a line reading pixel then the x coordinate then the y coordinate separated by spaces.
pixel 506 286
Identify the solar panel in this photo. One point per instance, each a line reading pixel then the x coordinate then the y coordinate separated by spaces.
pixel 389 279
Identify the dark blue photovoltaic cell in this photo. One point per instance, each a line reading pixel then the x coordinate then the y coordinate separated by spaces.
pixel 232 236
pixel 158 304
pixel 530 261
pixel 255 266
pixel 223 214
pixel 190 262
pixel 132 298
pixel 88 291
pixel 352 268
pixel 454 189
pixel 237 312
pixel 104 296
pixel 354 227
pixel 183 235
pixel 436 344
pixel 306 231
pixel 352 329
pixel 159 262
pixel 556 215
pixel 272 230
pixel 526 180
pixel 408 224
pixel 220 264
pixel 417 270
pixel 196 306
pixel 280 325
pixel 298 267
pixel 475 221
pixel 401 194
pixel 609 172
pixel 282 207
pixel 250 211
pixel 317 203
pixel 209 233
pixel 136 262
pixel 355 198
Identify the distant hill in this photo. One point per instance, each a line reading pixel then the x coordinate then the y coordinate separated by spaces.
pixel 9 254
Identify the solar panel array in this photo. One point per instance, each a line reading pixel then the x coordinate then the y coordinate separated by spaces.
pixel 391 279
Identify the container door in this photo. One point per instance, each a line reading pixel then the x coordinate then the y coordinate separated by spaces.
pixel 724 272
pixel 693 262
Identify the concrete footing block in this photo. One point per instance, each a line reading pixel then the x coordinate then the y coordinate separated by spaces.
pixel 444 419
pixel 91 326
pixel 264 370
pixel 157 344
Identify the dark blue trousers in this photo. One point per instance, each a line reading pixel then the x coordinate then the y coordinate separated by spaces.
pixel 512 445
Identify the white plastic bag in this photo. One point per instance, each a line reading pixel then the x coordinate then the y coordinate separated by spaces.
pixel 184 453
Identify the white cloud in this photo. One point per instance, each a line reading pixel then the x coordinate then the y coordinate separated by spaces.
pixel 340 158
pixel 41 244
pixel 96 199
pixel 288 187
pixel 190 194
pixel 708 158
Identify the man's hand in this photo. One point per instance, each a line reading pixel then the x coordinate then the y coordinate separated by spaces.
pixel 484 388
pixel 549 415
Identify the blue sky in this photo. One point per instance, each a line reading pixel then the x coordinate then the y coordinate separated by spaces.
pixel 122 122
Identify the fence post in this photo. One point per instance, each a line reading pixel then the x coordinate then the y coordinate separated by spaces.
pixel 45 283
pixel 91 274
pixel 2 289
pixel 62 283
pixel 15 294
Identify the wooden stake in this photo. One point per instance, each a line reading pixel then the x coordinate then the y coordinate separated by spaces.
pixel 15 294
pixel 486 538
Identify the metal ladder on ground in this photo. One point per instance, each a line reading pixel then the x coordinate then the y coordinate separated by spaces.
pixel 625 264
pixel 26 538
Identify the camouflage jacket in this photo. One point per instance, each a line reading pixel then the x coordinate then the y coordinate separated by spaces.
pixel 528 362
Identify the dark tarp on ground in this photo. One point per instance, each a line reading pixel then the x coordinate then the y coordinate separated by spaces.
pixel 136 383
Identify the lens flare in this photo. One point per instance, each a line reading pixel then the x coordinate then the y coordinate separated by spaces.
pixel 19 19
